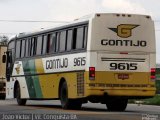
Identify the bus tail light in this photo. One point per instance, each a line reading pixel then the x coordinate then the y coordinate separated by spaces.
pixel 92 73
pixel 153 73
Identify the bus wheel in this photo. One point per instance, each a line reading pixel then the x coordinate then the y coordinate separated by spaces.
pixel 65 101
pixel 116 104
pixel 18 96
pixel 3 97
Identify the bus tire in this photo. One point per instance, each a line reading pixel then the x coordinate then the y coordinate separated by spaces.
pixel 116 104
pixel 65 101
pixel 3 97
pixel 18 96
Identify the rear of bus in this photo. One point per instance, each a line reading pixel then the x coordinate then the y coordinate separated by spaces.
pixel 122 59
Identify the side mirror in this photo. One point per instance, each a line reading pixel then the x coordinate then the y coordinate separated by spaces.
pixel 4 58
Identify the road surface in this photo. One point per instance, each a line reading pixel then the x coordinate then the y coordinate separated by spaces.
pixel 48 110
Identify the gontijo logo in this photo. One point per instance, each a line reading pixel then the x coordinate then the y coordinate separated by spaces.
pixel 124 30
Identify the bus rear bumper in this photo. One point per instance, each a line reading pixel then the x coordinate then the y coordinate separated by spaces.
pixel 131 93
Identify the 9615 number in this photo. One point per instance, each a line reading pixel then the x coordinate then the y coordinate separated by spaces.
pixel 123 66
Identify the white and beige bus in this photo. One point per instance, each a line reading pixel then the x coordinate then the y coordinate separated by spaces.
pixel 101 58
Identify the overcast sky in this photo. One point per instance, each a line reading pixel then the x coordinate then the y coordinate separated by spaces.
pixel 68 10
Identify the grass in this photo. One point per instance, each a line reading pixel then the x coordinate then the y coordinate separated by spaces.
pixel 150 101
pixel 158 86
pixel 153 101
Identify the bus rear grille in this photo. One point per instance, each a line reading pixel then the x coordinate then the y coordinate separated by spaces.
pixel 80 83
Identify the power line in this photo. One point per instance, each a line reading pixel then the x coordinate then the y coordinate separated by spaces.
pixel 33 21
pixel 18 33
pixel 44 21
pixel 9 33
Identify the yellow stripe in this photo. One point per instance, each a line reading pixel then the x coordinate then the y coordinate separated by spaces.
pixel 39 66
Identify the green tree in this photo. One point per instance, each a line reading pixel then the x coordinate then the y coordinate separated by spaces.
pixel 4 39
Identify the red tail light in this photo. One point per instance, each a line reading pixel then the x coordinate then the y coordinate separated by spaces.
pixel 92 73
pixel 153 73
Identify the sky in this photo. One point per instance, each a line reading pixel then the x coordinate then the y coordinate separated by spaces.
pixel 68 10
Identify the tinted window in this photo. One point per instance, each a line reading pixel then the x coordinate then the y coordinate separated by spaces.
pixel 27 45
pixel 79 38
pixel 69 40
pixel 62 41
pixel 74 38
pixel 18 44
pixel 33 46
pixel 23 46
pixel 39 45
pixel 85 36
pixel 44 44
pixel 48 43
pixel 52 43
pixel 57 42
pixel 11 47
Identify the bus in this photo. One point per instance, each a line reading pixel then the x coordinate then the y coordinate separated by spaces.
pixel 103 58
pixel 3 49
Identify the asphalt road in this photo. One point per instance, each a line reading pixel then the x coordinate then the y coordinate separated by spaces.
pixel 50 110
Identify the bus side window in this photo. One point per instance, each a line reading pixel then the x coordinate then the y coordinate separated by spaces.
pixel 85 37
pixel 79 38
pixel 11 46
pixel 33 46
pixel 57 42
pixel 54 38
pixel 52 42
pixel 44 44
pixel 39 45
pixel 48 43
pixel 27 45
pixel 62 41
pixel 69 40
pixel 23 47
pixel 18 47
pixel 74 38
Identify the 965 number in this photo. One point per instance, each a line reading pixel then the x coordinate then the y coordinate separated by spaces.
pixel 80 61
pixel 123 66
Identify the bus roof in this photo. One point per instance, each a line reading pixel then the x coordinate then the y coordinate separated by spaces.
pixel 80 20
